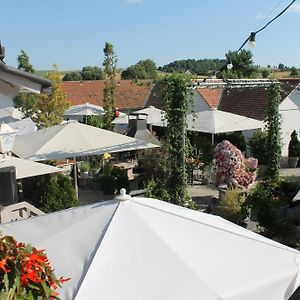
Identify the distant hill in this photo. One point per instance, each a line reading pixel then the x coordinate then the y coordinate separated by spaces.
pixel 43 73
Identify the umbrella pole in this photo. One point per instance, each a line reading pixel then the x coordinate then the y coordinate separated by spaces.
pixel 212 139
pixel 75 177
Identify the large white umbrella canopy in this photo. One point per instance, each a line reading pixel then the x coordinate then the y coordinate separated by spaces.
pixel 154 115
pixel 27 168
pixel 148 249
pixel 73 139
pixel 217 121
pixel 86 109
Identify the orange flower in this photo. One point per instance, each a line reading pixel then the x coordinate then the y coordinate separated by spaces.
pixel 3 266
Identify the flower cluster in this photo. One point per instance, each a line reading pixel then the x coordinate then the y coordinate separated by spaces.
pixel 25 272
pixel 232 166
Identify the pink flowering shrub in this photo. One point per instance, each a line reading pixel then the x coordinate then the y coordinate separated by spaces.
pixel 232 167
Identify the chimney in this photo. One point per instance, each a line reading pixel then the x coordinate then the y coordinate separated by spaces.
pixel 137 128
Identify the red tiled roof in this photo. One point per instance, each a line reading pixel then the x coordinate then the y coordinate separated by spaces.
pixel 252 102
pixel 249 102
pixel 211 96
pixel 128 95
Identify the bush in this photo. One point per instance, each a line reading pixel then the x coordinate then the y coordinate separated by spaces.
pixel 205 148
pixel 112 180
pixel 84 166
pixel 50 193
pixel 231 204
pixel 258 146
pixel 294 145
pixel 235 138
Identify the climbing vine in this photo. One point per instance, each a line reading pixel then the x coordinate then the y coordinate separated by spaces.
pixel 177 97
pixel 273 122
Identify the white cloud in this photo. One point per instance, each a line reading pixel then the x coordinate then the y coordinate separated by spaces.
pixel 133 1
pixel 260 16
pixel 295 8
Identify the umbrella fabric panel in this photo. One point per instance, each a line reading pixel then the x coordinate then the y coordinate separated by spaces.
pixel 215 121
pixel 27 168
pixel 24 126
pixel 70 238
pixel 140 264
pixel 86 109
pixel 71 140
pixel 219 255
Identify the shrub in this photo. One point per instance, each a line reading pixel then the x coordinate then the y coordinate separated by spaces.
pixel 84 166
pixel 51 192
pixel 231 204
pixel 203 144
pixel 112 180
pixel 235 138
pixel 294 145
pixel 258 147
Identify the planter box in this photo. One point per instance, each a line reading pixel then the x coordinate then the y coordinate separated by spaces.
pixel 293 161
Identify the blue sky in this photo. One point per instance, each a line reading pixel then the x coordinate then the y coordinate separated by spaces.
pixel 72 33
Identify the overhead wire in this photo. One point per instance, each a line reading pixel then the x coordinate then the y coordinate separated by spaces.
pixel 253 33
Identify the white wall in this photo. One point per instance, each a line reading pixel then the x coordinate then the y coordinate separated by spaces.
pixel 290 114
pixel 199 103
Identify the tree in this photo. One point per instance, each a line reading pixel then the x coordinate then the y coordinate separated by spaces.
pixel 110 71
pixel 265 73
pixel 294 72
pixel 86 73
pixel 281 67
pixel 73 76
pixel 23 62
pixel 242 65
pixel 144 69
pixel 45 109
pixel 272 122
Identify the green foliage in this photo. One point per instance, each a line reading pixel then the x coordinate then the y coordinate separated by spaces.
pixel 84 166
pixel 199 67
pixel 258 146
pixel 86 73
pixel 96 121
pixel 112 180
pixel 177 98
pixel 235 138
pixel 23 63
pixel 45 109
pixel 272 124
pixel 110 72
pixel 231 204
pixel 50 193
pixel 294 145
pixel 206 151
pixel 265 73
pixel 266 201
pixel 73 76
pixel 144 69
pixel 294 72
pixel 242 65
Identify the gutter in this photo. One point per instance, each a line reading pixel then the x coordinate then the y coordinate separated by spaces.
pixel 45 83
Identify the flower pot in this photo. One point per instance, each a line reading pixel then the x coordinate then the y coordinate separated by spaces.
pixel 293 161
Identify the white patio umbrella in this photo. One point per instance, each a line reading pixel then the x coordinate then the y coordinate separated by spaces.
pixel 217 121
pixel 23 126
pixel 71 140
pixel 148 249
pixel 27 168
pixel 154 115
pixel 85 109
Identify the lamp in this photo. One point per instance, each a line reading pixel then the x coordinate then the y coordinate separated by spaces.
pixel 7 138
pixel 229 65
pixel 252 40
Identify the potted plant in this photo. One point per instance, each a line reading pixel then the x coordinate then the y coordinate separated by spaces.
pixel 293 150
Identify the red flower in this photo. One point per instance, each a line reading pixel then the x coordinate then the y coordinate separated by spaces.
pixel 3 266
